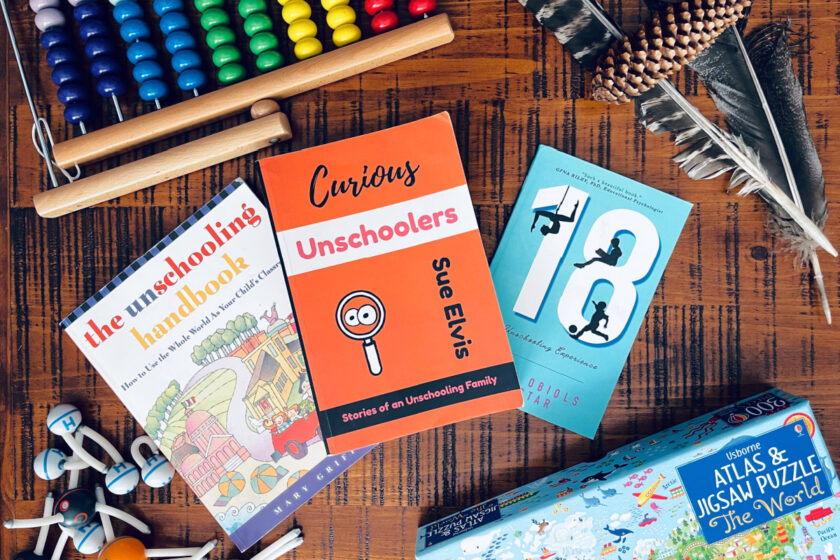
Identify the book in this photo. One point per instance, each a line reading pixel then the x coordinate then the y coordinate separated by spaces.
pixel 575 270
pixel 198 340
pixel 390 283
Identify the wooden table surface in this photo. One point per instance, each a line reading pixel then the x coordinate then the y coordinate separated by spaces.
pixel 732 315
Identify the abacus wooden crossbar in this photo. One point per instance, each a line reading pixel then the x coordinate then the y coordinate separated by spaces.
pixel 275 82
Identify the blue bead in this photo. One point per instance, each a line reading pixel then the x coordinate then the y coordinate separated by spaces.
pixel 165 6
pixel 153 89
pixel 191 79
pixel 55 36
pixel 78 112
pixel 126 10
pixel 147 70
pixel 185 59
pixel 64 73
pixel 72 92
pixel 97 46
pixel 179 40
pixel 93 28
pixel 173 21
pixel 110 84
pixel 104 64
pixel 60 54
pixel 134 30
pixel 141 50
pixel 88 10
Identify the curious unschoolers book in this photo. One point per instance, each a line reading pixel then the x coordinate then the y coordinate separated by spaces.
pixel 198 339
pixel 390 283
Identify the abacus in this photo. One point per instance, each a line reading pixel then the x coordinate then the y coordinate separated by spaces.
pixel 107 55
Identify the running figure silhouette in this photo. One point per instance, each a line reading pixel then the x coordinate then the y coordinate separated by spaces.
pixel 594 322
pixel 554 217
pixel 609 258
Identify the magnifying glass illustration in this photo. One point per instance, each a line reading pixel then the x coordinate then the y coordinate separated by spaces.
pixel 360 315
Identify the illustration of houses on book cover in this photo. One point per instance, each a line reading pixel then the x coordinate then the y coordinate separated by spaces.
pixel 198 339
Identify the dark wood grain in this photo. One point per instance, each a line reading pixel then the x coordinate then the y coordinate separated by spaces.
pixel 732 315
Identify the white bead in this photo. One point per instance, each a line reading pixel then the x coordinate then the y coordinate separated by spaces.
pixel 46 18
pixel 89 538
pixel 38 5
pixel 64 418
pixel 157 472
pixel 49 464
pixel 122 478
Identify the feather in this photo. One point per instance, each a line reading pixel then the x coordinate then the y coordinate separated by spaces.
pixel 711 151
pixel 772 131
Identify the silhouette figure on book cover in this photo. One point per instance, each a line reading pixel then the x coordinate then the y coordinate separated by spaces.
pixel 594 322
pixel 609 257
pixel 556 218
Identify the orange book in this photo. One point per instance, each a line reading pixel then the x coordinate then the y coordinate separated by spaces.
pixel 398 317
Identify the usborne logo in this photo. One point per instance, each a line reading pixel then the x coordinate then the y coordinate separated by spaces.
pixel 754 481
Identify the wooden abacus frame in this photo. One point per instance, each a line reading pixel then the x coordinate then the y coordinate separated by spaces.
pixel 278 84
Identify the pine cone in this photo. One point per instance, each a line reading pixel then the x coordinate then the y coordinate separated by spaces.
pixel 662 46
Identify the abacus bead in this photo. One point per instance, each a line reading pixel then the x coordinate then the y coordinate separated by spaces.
pixel 340 15
pixel 230 73
pixel 97 46
pixel 248 7
pixel 185 59
pixel 225 54
pixel 141 50
pixel 214 17
pixel 263 108
pixel 126 10
pixel 191 79
pixel 105 65
pixel 256 23
pixel 173 21
pixel 64 73
pixel 179 40
pixel 384 21
pixel 419 8
pixel 262 42
pixel 134 30
pixel 373 7
pixel 59 55
pixel 110 84
pixel 162 7
pixel 302 29
pixel 88 10
pixel 146 70
pixel 219 36
pixel 346 34
pixel 203 5
pixel 72 92
pixel 296 10
pixel 307 47
pixel 92 28
pixel 152 89
pixel 38 5
pixel 269 60
pixel 49 17
pixel 78 112
pixel 330 4
pixel 55 36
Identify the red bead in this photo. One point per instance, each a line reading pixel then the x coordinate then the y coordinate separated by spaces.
pixel 373 7
pixel 419 8
pixel 384 21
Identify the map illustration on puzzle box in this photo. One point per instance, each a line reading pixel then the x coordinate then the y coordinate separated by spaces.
pixel 198 339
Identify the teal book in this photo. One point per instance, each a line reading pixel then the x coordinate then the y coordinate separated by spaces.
pixel 575 270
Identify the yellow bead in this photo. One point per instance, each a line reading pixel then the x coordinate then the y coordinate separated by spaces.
pixel 330 4
pixel 306 47
pixel 295 10
pixel 301 29
pixel 346 34
pixel 340 15
pixel 283 2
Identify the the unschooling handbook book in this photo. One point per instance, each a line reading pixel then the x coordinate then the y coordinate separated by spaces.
pixel 198 339
pixel 575 270
pixel 390 284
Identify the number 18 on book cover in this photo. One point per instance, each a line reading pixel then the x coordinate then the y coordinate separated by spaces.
pixel 575 271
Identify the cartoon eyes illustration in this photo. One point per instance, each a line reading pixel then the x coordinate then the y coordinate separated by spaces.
pixel 360 315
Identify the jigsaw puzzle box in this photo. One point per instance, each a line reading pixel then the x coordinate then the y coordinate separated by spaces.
pixel 753 481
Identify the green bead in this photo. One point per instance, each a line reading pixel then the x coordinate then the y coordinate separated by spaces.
pixel 269 60
pixel 225 55
pixel 263 41
pixel 202 5
pixel 214 17
pixel 230 73
pixel 220 36
pixel 255 23
pixel 248 7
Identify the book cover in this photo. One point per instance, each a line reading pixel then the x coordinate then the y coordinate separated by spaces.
pixel 575 270
pixel 198 339
pixel 390 283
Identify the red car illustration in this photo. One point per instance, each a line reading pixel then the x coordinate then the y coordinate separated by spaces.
pixel 292 439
